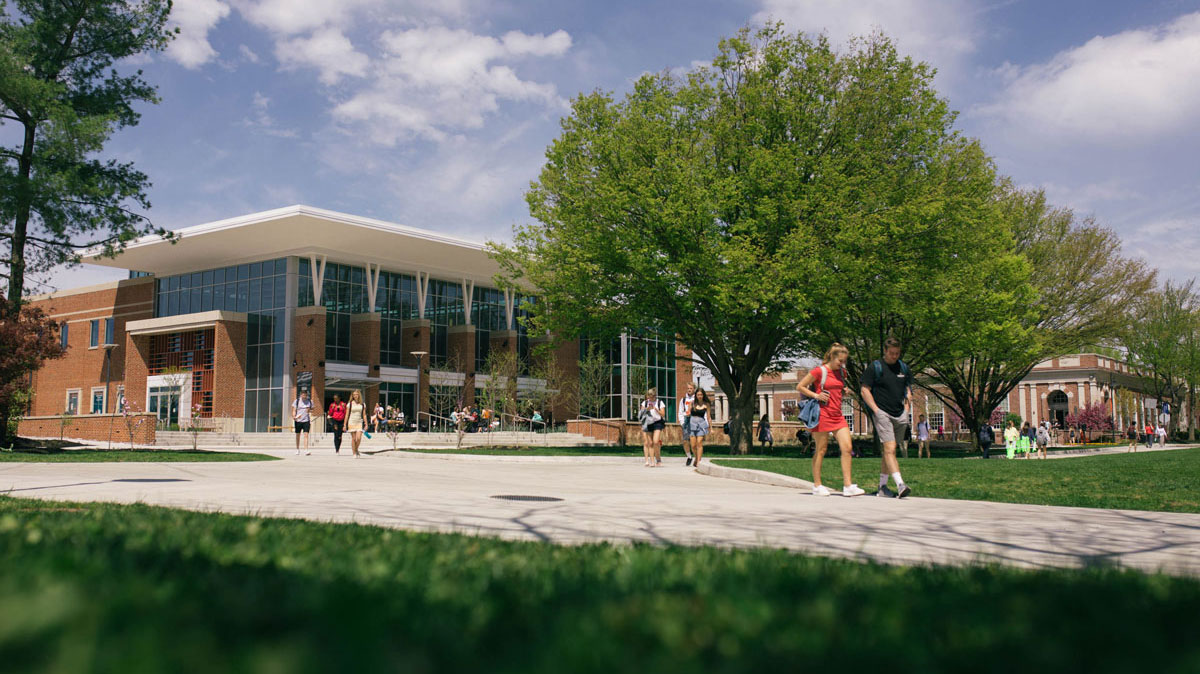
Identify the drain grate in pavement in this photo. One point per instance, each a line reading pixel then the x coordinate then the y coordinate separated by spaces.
pixel 524 497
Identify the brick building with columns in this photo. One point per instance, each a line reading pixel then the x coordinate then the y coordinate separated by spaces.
pixel 232 318
pixel 1054 389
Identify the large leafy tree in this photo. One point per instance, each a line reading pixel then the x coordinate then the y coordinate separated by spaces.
pixel 1159 340
pixel 730 206
pixel 1081 289
pixel 61 89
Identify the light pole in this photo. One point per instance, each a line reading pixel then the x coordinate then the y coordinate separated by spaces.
pixel 420 356
pixel 108 349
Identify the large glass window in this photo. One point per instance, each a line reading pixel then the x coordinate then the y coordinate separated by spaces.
pixel 343 294
pixel 95 336
pixel 443 308
pixel 396 301
pixel 651 364
pixel 258 289
pixel 401 397
pixel 63 335
pixel 487 314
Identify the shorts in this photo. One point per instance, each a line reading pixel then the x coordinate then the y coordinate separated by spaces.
pixel 698 427
pixel 889 427
pixel 303 426
pixel 659 425
pixel 685 428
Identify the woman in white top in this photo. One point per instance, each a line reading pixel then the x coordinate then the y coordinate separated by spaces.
pixel 356 420
pixel 652 415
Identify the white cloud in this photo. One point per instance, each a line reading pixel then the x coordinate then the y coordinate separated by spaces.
pixel 1172 246
pixel 1134 86
pixel 327 50
pixel 293 17
pixel 261 120
pixel 195 18
pixel 248 53
pixel 942 32
pixel 434 81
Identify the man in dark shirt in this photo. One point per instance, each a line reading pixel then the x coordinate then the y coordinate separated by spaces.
pixel 886 390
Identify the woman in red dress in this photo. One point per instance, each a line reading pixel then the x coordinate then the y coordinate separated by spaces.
pixel 826 384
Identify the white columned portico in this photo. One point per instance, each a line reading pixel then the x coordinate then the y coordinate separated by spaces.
pixel 1079 401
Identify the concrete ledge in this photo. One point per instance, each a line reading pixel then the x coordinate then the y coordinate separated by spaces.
pixel 755 476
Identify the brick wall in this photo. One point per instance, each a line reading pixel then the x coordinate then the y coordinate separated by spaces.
pixel 83 367
pixel 229 370
pixel 364 348
pixel 308 351
pixel 460 349
pixel 416 338
pixel 91 427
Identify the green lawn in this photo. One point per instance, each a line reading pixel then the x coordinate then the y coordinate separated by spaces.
pixel 124 455
pixel 110 588
pixel 1166 481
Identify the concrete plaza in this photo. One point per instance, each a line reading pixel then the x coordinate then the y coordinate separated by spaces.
pixel 617 499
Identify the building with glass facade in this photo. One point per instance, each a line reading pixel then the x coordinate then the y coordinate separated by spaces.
pixel 233 318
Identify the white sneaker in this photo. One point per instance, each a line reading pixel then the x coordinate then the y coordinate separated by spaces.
pixel 852 490
pixel 821 490
pixel 297 452
pixel 308 454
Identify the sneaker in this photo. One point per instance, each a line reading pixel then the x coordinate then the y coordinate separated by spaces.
pixel 884 492
pixel 689 462
pixel 904 491
pixel 308 454
pixel 852 490
pixel 297 452
pixel 820 490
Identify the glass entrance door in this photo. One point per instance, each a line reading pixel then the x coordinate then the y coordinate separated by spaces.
pixel 164 405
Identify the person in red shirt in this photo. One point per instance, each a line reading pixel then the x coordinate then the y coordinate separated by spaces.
pixel 337 415
pixel 826 384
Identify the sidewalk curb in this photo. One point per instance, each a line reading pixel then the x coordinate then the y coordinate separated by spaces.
pixel 755 476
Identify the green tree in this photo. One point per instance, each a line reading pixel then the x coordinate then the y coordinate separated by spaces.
pixel 1157 337
pixel 1081 287
pixel 59 86
pixel 27 338
pixel 713 206
pixel 595 376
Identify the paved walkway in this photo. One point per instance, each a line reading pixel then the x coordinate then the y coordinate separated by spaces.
pixel 616 499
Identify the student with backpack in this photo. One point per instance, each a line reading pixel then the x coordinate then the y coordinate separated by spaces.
pixel 887 390
pixel 830 383
pixel 987 436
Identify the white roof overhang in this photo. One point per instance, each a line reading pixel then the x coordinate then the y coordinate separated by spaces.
pixel 305 231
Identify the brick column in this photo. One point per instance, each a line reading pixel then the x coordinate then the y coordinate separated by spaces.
pixel 229 372
pixel 460 347
pixel 416 338
pixel 364 348
pixel 683 368
pixel 308 351
pixel 137 369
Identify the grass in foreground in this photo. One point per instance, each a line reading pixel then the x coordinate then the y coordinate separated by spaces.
pixel 108 588
pixel 125 455
pixel 1163 481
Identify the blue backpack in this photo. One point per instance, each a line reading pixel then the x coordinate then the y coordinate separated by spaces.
pixel 810 408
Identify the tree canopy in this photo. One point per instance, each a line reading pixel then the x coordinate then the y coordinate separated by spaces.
pixel 747 205
pixel 61 85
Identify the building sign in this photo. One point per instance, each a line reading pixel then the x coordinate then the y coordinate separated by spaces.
pixel 304 383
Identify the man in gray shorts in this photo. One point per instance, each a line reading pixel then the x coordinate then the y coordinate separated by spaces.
pixel 886 388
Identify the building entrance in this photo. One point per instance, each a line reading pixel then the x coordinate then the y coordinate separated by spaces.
pixel 1058 404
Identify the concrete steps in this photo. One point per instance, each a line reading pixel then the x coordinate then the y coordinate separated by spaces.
pixel 381 440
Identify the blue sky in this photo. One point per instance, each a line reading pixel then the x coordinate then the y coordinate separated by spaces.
pixel 436 114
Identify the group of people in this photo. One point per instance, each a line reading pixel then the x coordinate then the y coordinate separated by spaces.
pixel 887 391
pixel 1148 435
pixel 1026 441
pixel 473 419
pixel 345 417
pixel 694 415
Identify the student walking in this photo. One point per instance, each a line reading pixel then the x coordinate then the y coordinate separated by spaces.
pixel 684 414
pixel 699 420
pixel 1010 440
pixel 1028 440
pixel 356 420
pixel 827 384
pixel 765 436
pixel 987 437
pixel 1149 435
pixel 1043 438
pixel 1162 435
pixel 377 417
pixel 652 416
pixel 923 438
pixel 337 418
pixel 1131 434
pixel 302 419
pixel 887 390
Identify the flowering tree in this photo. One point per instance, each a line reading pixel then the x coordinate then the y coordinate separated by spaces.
pixel 194 426
pixel 130 415
pixel 1094 417
pixel 27 338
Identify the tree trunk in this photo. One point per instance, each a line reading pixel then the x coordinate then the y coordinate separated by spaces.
pixel 742 412
pixel 1191 414
pixel 5 408
pixel 16 278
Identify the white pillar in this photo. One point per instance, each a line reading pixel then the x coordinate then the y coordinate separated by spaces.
pixel 508 309
pixel 318 276
pixel 1079 400
pixel 372 285
pixel 468 295
pixel 422 292
pixel 1021 401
